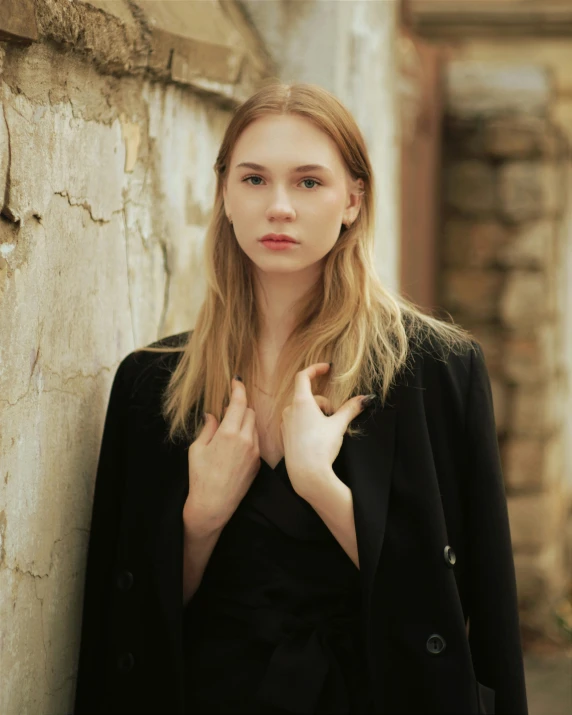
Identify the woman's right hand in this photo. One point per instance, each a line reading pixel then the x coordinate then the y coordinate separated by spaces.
pixel 223 462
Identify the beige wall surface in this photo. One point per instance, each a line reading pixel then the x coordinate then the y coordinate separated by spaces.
pixel 110 120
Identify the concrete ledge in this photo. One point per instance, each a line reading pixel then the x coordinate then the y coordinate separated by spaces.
pixel 451 18
pixel 18 22
pixel 209 46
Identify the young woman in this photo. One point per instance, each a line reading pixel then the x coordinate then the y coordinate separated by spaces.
pixel 300 549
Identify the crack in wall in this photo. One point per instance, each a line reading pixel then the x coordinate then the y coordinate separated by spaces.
pixel 38 340
pixel 75 529
pixel 84 203
pixel 35 361
pixel 28 572
pixel 24 572
pixel 6 212
pixel 77 376
pixel 64 392
pixel 163 318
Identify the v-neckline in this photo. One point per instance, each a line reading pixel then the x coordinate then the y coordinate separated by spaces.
pixel 277 465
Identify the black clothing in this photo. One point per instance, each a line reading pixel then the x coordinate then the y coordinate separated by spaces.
pixel 274 626
pixel 425 476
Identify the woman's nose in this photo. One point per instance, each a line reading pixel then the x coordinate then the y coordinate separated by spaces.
pixel 280 206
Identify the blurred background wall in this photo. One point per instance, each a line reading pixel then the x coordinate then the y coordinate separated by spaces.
pixel 502 264
pixel 488 84
pixel 112 113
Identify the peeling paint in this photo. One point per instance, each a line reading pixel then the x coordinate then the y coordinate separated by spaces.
pixel 132 138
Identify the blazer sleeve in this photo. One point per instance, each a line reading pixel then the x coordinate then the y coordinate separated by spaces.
pixel 101 553
pixel 494 632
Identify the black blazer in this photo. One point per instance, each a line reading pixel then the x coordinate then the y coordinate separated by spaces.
pixel 433 541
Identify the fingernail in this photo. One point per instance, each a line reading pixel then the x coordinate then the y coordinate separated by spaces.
pixel 367 400
pixel 237 377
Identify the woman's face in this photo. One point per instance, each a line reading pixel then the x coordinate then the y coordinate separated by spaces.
pixel 278 196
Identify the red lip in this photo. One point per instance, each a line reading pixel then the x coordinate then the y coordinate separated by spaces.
pixel 278 237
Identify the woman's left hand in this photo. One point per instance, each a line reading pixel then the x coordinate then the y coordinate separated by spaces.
pixel 311 439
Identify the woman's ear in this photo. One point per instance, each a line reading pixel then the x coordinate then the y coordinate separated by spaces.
pixel 356 191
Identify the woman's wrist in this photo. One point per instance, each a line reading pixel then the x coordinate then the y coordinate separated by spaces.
pixel 199 526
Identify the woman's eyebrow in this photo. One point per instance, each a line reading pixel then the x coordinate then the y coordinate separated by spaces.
pixel 296 170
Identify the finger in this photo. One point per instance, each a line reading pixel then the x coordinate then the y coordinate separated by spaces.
pixel 208 429
pixel 303 379
pixel 349 410
pixel 324 404
pixel 248 422
pixel 234 414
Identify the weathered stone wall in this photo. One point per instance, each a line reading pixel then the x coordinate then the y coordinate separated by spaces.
pixel 111 116
pixel 506 230
pixel 108 137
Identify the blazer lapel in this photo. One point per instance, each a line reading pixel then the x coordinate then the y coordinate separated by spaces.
pixel 369 466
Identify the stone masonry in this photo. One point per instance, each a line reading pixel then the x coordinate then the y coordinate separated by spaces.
pixel 505 221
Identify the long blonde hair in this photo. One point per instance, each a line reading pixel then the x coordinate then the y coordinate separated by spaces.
pixel 347 317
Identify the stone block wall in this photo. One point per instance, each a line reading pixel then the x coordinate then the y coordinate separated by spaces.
pixel 505 226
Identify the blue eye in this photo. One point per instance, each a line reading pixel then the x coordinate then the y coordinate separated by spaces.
pixel 255 176
pixel 252 177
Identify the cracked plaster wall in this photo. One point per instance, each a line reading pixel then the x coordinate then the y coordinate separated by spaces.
pixel 107 186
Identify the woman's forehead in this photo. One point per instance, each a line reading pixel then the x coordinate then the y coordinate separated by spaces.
pixel 286 143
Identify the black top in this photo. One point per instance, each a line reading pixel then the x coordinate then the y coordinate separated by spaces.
pixel 275 624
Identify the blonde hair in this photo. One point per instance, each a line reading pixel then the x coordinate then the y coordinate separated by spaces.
pixel 347 317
